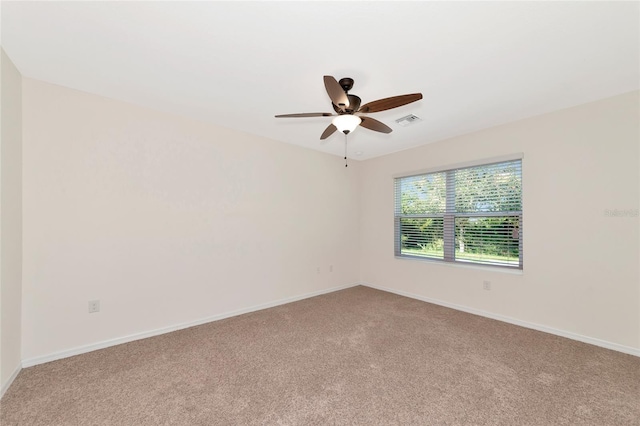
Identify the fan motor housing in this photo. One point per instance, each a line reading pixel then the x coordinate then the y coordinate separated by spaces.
pixel 354 104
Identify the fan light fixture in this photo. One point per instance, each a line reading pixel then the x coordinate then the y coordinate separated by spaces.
pixel 346 123
pixel 346 106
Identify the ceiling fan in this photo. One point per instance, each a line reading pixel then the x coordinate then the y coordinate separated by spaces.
pixel 348 108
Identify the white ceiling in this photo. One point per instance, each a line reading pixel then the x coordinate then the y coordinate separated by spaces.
pixel 237 64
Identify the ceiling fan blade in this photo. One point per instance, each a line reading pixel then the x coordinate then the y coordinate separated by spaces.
pixel 306 114
pixel 328 131
pixel 388 103
pixel 335 92
pixel 373 124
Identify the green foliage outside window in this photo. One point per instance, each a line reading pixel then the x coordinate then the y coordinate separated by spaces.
pixel 484 205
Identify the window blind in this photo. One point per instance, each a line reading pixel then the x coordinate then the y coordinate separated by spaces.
pixel 470 214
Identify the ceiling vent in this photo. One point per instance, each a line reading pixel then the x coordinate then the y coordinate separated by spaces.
pixel 408 120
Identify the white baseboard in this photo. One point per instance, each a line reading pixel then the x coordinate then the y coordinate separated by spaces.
pixel 130 338
pixel 569 335
pixel 6 385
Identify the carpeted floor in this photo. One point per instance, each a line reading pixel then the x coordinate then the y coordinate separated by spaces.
pixel 354 357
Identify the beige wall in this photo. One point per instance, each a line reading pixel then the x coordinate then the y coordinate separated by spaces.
pixel 10 220
pixel 167 220
pixel 580 267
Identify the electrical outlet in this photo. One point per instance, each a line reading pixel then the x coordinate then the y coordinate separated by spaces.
pixel 94 306
pixel 486 285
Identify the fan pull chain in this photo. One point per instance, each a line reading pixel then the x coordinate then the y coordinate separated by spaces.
pixel 345 150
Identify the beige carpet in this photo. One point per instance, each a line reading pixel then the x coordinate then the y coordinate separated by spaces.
pixel 353 357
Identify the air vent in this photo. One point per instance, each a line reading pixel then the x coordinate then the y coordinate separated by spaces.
pixel 408 120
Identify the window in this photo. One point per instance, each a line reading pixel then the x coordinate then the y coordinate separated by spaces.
pixel 463 215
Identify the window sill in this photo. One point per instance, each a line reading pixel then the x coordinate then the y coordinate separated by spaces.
pixel 492 268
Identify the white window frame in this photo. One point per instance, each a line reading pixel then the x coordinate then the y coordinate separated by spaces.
pixel 449 215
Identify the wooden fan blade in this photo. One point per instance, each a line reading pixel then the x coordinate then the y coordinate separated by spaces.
pixel 373 124
pixel 388 103
pixel 306 114
pixel 328 131
pixel 335 92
